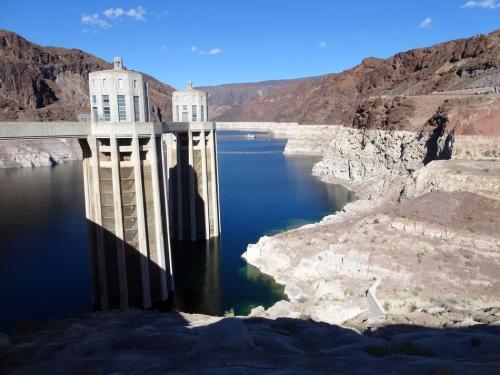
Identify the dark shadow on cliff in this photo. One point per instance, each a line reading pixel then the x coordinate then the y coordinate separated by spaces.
pixel 438 148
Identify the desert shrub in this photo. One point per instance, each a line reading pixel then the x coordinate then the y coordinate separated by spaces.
pixel 229 313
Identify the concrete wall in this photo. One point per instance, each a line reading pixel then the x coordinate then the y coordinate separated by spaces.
pixel 113 83
pixel 189 98
pixel 34 130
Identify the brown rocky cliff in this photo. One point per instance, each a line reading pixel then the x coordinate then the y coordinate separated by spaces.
pixel 334 98
pixel 49 84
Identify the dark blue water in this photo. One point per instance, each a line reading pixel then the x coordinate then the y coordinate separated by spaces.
pixel 44 261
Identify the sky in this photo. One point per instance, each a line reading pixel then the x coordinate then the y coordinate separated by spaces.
pixel 215 42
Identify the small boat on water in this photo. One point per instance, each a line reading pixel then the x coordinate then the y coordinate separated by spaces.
pixel 250 136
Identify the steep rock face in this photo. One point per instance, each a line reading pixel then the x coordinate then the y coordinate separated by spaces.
pixel 51 84
pixel 360 155
pixel 479 177
pixel 458 64
pixel 37 153
pixel 382 113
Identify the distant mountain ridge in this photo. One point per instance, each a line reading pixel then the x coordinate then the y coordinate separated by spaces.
pixel 226 96
pixel 334 98
pixel 49 83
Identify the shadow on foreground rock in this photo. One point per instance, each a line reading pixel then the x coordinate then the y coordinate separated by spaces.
pixel 137 342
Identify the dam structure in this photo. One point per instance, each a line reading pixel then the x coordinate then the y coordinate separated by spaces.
pixel 144 182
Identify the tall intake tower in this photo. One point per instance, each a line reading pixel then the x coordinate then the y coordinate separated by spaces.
pixel 132 191
pixel 193 172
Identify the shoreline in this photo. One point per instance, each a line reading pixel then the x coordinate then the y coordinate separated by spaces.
pixel 289 259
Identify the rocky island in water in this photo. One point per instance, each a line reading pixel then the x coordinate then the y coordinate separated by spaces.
pixel 406 279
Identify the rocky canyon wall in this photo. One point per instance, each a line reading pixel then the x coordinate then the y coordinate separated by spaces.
pixel 36 153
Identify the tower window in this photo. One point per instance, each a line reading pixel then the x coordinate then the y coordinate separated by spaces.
pixel 194 113
pixel 137 113
pixel 120 83
pixel 202 113
pixel 135 83
pixel 177 113
pixel 94 100
pixel 105 108
pixel 122 112
pixel 146 102
pixel 185 117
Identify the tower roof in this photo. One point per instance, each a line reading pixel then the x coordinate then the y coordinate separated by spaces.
pixel 189 88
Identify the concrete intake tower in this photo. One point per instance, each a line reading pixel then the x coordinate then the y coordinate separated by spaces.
pixel 145 182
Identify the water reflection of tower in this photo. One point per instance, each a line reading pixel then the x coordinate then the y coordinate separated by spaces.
pixel 198 283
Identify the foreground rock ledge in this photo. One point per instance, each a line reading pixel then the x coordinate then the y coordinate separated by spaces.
pixel 135 342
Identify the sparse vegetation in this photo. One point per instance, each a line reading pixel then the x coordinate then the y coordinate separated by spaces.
pixel 229 313
pixel 387 306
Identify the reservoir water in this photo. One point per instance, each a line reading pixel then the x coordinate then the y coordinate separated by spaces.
pixel 44 260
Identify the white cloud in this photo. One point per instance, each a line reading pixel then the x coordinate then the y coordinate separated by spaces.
pixel 215 51
pixel 486 4
pixel 322 44
pixel 94 20
pixel 137 13
pixel 114 13
pixel 426 24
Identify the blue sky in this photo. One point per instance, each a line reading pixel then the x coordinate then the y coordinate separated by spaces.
pixel 214 42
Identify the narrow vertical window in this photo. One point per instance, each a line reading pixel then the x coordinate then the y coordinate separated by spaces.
pixel 146 102
pixel 122 113
pixel 185 117
pixel 194 113
pixel 177 113
pixel 135 83
pixel 106 111
pixel 94 100
pixel 137 113
pixel 104 82
pixel 202 113
pixel 120 83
